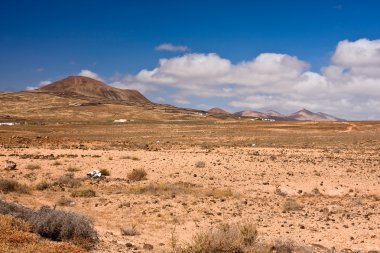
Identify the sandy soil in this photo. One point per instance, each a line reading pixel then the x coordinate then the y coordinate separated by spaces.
pixel 338 191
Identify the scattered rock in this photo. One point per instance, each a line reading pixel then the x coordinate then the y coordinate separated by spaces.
pixel 10 165
pixel 285 191
pixel 148 246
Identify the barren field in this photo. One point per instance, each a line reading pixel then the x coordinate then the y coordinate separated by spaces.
pixel 313 185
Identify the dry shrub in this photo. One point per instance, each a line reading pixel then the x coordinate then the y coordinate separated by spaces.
pixel 72 169
pixel 10 185
pixel 180 188
pixel 292 205
pixel 200 164
pixel 84 193
pixel 69 180
pixel 134 158
pixel 33 167
pixel 228 238
pixel 129 230
pixel 43 185
pixel 54 224
pixel 137 175
pixel 16 236
pixel 164 188
pixel 64 201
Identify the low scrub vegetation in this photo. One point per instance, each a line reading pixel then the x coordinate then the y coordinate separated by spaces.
pixel 292 205
pixel 177 188
pixel 200 164
pixel 228 238
pixel 54 224
pixel 10 185
pixel 16 236
pixel 84 193
pixel 64 201
pixel 69 180
pixel 33 167
pixel 137 175
pixel 134 158
pixel 72 169
pixel 231 238
pixel 43 185
pixel 129 230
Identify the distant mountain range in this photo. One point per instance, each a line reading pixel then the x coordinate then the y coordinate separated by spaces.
pixel 97 91
pixel 302 115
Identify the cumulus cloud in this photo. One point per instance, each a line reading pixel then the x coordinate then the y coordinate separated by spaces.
pixel 40 84
pixel 172 48
pixel 349 87
pixel 90 74
pixel 44 83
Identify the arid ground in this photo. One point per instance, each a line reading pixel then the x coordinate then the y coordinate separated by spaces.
pixel 310 184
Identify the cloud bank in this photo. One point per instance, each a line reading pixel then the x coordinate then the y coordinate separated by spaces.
pixel 172 48
pixel 349 87
pixel 90 74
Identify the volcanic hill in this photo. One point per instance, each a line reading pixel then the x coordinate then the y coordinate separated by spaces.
pixel 88 87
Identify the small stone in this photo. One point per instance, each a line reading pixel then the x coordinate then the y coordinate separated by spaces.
pixel 148 246
pixel 10 165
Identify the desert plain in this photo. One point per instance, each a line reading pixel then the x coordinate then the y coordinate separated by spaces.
pixel 312 185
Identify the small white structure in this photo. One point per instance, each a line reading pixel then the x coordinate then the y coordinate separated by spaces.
pixel 7 123
pixel 120 121
pixel 94 174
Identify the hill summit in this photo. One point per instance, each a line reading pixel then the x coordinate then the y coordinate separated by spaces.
pixel 88 87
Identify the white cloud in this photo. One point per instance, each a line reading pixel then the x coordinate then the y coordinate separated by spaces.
pixel 44 83
pixel 90 74
pixel 40 84
pixel 31 88
pixel 358 53
pixel 182 101
pixel 172 48
pixel 349 87
pixel 159 99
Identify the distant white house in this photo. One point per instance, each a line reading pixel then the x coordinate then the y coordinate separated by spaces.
pixel 8 123
pixel 120 121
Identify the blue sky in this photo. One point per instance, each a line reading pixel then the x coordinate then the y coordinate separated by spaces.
pixel 48 40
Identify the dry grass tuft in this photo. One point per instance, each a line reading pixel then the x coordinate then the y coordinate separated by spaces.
pixel 10 185
pixel 134 158
pixel 200 164
pixel 292 205
pixel 177 188
pixel 228 238
pixel 164 188
pixel 43 185
pixel 33 167
pixel 137 175
pixel 84 193
pixel 129 230
pixel 64 201
pixel 69 180
pixel 72 169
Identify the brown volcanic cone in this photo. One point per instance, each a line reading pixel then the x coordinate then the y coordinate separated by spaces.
pixel 217 110
pixel 88 87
